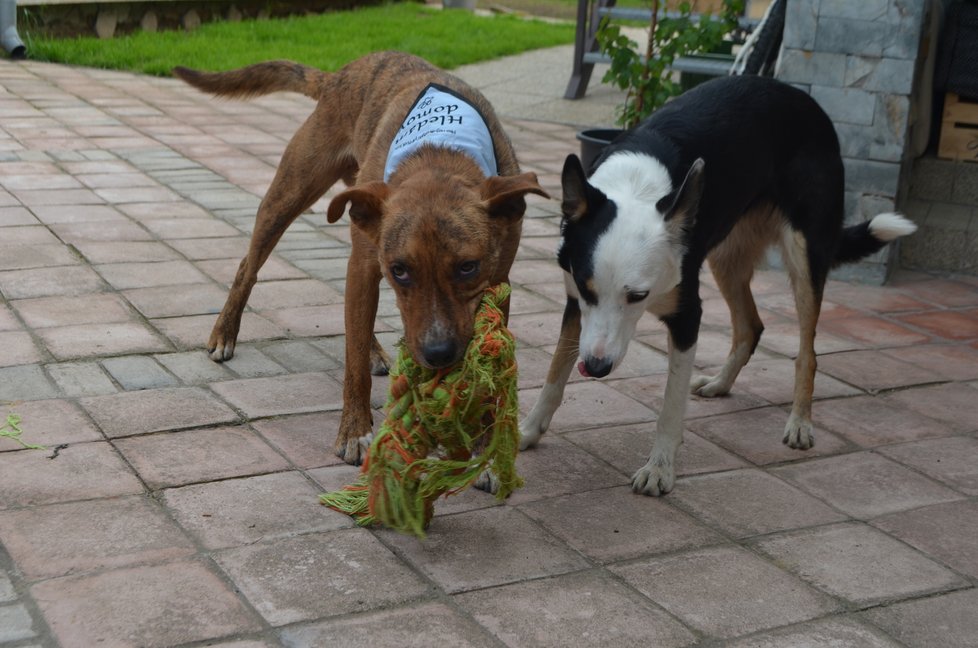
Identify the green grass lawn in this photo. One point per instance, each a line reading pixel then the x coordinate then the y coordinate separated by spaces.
pixel 446 38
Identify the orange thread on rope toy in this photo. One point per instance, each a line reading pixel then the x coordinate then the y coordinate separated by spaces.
pixel 468 415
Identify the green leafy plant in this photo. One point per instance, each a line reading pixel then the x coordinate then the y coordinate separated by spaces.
pixel 646 76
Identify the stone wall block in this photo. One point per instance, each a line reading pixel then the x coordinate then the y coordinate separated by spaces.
pixel 808 67
pixel 849 36
pixel 894 76
pixel 870 176
pixel 846 105
pixel 853 9
pixel 801 20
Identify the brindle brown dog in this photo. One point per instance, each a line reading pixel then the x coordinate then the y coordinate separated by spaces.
pixel 438 229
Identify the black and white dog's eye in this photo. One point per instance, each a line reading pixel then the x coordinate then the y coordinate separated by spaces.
pixel 635 297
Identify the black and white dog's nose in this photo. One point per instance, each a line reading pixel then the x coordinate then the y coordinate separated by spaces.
pixel 597 367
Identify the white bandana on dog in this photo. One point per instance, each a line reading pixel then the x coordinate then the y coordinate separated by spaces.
pixel 442 118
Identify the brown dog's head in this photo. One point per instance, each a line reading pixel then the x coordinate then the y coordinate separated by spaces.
pixel 440 244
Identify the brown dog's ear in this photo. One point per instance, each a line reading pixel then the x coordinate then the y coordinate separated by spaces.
pixel 679 208
pixel 366 206
pixel 504 195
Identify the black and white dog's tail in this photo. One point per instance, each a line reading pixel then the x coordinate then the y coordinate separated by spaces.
pixel 862 240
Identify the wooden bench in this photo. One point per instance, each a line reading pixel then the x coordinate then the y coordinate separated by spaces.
pixel 586 50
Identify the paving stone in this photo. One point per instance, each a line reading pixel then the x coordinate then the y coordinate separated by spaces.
pixel 615 524
pixel 177 301
pixel 951 461
pixel 774 382
pixel 25 383
pixel 584 609
pixel 49 423
pixel 65 311
pixel 69 539
pixel 312 321
pixel 834 631
pixel 46 282
pixel 947 620
pixel 156 410
pixel 342 567
pixel 858 563
pixel 80 471
pixel 650 391
pixel 76 379
pixel 744 503
pixel 557 468
pixel 952 403
pixel 299 356
pixel 194 367
pixel 7 593
pixel 437 623
pixel 627 449
pixel 951 362
pixel 123 607
pixel 590 404
pixel 18 349
pixel 306 439
pixel 725 591
pixel 111 252
pixel 865 485
pixel 756 436
pixel 15 623
pixel 104 339
pixel 138 372
pixel 473 550
pixel 193 332
pixel 150 274
pixel 953 544
pixel 39 258
pixel 238 512
pixel 874 371
pixel 219 453
pixel 290 394
pixel 869 421
pixel 249 362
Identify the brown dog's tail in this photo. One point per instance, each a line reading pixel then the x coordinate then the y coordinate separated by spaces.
pixel 256 80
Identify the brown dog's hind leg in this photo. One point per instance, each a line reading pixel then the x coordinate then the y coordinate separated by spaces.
pixel 303 176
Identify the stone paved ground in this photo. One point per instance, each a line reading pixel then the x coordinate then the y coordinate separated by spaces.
pixel 175 503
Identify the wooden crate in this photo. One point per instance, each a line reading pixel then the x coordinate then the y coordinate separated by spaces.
pixel 959 129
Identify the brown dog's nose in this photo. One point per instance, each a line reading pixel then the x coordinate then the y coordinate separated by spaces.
pixel 440 353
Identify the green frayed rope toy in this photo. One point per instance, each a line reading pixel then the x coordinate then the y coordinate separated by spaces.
pixel 467 415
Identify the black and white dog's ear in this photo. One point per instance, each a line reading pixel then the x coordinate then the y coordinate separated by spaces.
pixel 679 207
pixel 574 185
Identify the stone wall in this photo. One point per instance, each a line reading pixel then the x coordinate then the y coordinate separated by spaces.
pixel 859 60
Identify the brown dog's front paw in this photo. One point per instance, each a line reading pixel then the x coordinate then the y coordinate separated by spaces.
pixel 351 446
pixel 354 451
pixel 220 346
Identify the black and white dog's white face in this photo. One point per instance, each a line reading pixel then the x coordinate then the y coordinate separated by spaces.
pixel 622 248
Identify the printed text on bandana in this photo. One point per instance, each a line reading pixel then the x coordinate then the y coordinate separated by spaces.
pixel 440 118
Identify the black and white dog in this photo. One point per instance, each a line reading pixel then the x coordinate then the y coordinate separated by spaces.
pixel 719 173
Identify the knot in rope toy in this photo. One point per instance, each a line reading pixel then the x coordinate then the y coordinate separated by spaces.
pixel 466 415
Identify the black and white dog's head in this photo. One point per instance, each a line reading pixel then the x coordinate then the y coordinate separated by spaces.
pixel 623 240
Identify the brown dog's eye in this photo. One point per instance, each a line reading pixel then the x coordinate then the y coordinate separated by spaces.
pixel 468 269
pixel 400 274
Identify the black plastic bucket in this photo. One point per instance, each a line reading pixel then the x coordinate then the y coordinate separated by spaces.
pixel 593 142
